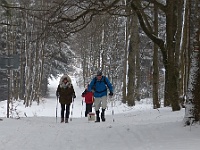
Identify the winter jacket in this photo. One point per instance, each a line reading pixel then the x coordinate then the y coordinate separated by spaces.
pixel 89 99
pixel 100 86
pixel 65 92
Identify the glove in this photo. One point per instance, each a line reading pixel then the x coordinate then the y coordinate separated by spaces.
pixel 111 93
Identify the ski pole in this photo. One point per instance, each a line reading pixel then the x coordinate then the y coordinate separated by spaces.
pixel 56 109
pixel 72 109
pixel 112 105
pixel 82 109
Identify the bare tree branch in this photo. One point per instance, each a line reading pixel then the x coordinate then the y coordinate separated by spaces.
pixel 143 24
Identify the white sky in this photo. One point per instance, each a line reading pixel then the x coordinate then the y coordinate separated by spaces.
pixel 139 127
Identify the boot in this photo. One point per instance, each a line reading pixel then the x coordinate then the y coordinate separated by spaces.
pixel 97 116
pixel 62 120
pixel 103 115
pixel 66 120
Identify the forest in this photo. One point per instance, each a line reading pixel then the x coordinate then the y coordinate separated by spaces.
pixel 147 48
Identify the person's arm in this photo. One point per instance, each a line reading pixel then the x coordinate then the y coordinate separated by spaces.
pixel 58 91
pixel 83 94
pixel 91 85
pixel 73 92
pixel 110 87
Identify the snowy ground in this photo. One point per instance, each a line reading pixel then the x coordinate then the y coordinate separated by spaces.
pixel 138 128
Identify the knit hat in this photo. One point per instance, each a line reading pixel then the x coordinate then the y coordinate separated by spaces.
pixel 99 73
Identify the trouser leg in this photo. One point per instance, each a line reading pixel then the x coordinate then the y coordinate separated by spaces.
pixel 104 102
pixel 103 115
pixel 97 116
pixel 90 107
pixel 62 112
pixel 67 113
pixel 87 110
pixel 97 103
pixel 100 101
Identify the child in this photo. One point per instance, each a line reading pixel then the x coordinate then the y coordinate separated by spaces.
pixel 89 99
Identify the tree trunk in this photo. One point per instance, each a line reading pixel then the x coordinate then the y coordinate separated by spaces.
pixel 184 52
pixel 138 69
pixel 196 90
pixel 178 51
pixel 171 28
pixel 130 87
pixel 127 40
pixel 125 67
pixel 156 102
pixel 133 45
pixel 194 84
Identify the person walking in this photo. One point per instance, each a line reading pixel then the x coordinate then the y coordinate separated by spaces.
pixel 66 93
pixel 99 85
pixel 89 99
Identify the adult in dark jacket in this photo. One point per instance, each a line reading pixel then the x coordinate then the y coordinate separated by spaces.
pixel 99 85
pixel 89 99
pixel 66 93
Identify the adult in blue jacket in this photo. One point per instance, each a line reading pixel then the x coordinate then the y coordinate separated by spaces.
pixel 99 85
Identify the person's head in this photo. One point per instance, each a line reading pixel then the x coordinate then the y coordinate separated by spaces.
pixel 86 87
pixel 99 75
pixel 65 80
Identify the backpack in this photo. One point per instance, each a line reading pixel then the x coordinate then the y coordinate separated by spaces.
pixel 104 80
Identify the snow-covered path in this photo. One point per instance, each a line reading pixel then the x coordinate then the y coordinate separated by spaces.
pixel 138 128
pixel 129 131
